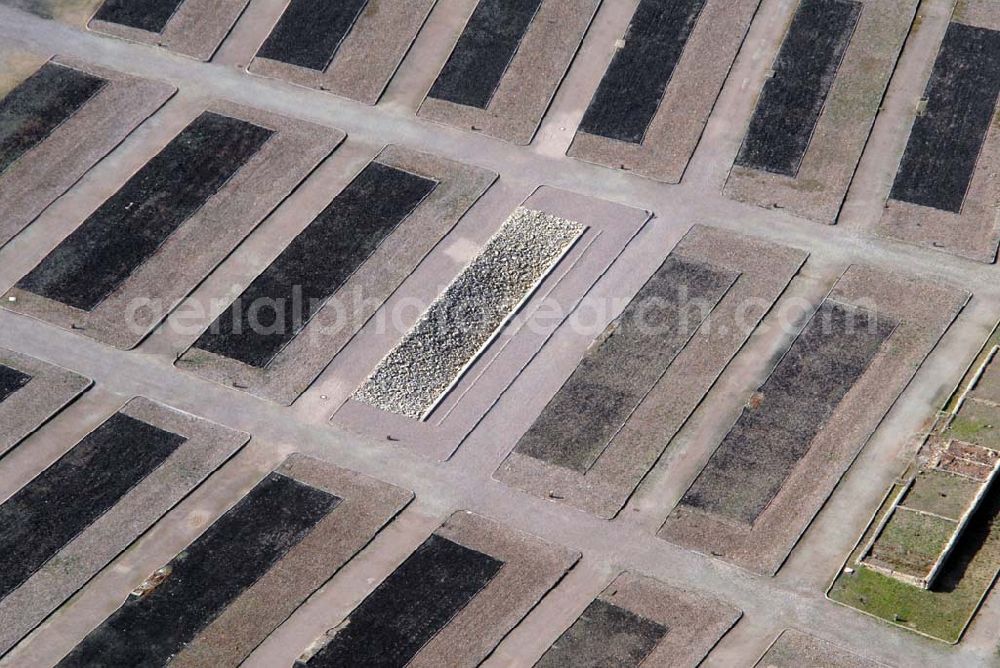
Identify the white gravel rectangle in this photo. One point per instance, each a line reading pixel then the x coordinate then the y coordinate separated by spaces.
pixel 418 373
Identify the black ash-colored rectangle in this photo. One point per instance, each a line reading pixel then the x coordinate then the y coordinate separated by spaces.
pixel 149 15
pixel 40 104
pixel 11 380
pixel 791 407
pixel 946 139
pixel 614 376
pixel 410 607
pixel 132 224
pixel 491 38
pixel 632 88
pixel 792 100
pixel 279 303
pixel 66 498
pixel 604 635
pixel 310 32
pixel 235 552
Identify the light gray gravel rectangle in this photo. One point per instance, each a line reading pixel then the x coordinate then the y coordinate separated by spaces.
pixel 413 378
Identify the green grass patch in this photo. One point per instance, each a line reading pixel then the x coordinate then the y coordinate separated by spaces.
pixel 944 611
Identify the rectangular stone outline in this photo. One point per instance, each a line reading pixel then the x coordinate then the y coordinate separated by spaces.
pixel 51 167
pixel 695 623
pixel 286 159
pixel 924 311
pixel 975 232
pixel 610 226
pixel 765 271
pixel 196 29
pixel 207 447
pixel 531 80
pixel 431 382
pixel 303 359
pixel 367 58
pixel 531 568
pixel 50 389
pixel 677 127
pixel 819 189
pixel 367 506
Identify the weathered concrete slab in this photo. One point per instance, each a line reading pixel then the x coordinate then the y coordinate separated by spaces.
pixel 757 530
pixel 514 571
pixel 222 622
pixel 639 620
pixel 359 66
pixel 50 164
pixel 689 89
pixel 513 109
pixel 953 136
pixel 47 390
pixel 390 258
pixel 795 648
pixel 139 297
pixel 202 447
pixel 195 28
pixel 828 124
pixel 713 332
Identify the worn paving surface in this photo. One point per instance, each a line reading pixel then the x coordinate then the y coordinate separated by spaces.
pixel 794 597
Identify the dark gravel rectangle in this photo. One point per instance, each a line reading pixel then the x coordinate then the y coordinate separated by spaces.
pixel 593 404
pixel 310 32
pixel 793 97
pixel 410 606
pixel 604 635
pixel 11 380
pixel 484 51
pixel 633 86
pixel 134 222
pixel 946 140
pixel 66 498
pixel 767 442
pixel 150 15
pixel 235 552
pixel 40 104
pixel 279 303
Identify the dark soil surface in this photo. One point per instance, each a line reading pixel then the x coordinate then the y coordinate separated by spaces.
pixel 11 380
pixel 227 559
pixel 945 141
pixel 410 607
pixel 615 375
pixel 310 32
pixel 70 495
pixel 768 440
pixel 42 102
pixel 793 97
pixel 483 52
pixel 128 228
pixel 604 635
pixel 151 15
pixel 269 314
pixel 633 86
